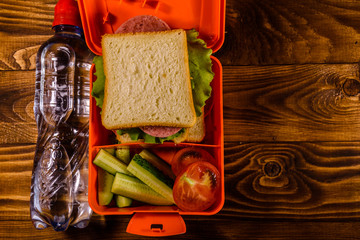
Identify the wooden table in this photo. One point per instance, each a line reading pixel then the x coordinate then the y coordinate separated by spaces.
pixel 291 114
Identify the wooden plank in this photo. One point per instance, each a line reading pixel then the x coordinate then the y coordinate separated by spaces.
pixel 291 32
pixel 17 121
pixel 25 25
pixel 24 17
pixel 19 51
pixel 293 180
pixel 257 32
pixel 262 180
pixel 212 227
pixel 16 163
pixel 312 102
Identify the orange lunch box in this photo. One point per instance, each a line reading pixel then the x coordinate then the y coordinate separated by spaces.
pixel 208 18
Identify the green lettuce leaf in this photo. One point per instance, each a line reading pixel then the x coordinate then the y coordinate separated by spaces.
pixel 136 134
pixel 200 69
pixel 99 85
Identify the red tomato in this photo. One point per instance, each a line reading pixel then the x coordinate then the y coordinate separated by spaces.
pixel 196 187
pixel 187 156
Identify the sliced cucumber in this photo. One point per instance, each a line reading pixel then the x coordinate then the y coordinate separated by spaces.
pixel 132 187
pixel 110 163
pixel 105 181
pixel 110 150
pixel 123 154
pixel 151 176
pixel 158 163
pixel 122 201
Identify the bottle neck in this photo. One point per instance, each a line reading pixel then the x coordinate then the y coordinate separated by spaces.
pixel 68 29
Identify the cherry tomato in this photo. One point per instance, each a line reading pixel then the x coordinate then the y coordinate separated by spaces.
pixel 187 156
pixel 196 187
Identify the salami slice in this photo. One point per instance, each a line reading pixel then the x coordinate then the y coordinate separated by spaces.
pixel 160 131
pixel 148 23
pixel 143 23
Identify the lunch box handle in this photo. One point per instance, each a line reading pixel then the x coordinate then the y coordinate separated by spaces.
pixel 156 224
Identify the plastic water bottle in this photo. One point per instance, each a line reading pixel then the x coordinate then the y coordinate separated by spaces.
pixel 61 107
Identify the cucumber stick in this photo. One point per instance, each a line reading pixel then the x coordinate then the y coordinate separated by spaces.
pixel 110 163
pixel 158 163
pixel 123 154
pixel 105 181
pixel 132 187
pixel 122 201
pixel 151 176
pixel 110 150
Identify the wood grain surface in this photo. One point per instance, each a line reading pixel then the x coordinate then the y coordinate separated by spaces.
pixel 310 102
pixel 291 32
pixel 291 122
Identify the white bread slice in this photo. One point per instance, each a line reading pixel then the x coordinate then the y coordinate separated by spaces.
pixel 197 132
pixel 147 80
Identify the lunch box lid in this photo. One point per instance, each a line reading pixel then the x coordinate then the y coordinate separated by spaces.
pixel 206 16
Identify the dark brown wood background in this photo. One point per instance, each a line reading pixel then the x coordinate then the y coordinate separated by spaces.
pixel 291 114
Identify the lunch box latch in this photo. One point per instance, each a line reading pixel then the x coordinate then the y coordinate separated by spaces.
pixel 156 224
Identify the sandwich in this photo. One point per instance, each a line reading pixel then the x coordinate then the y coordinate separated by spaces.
pixel 152 82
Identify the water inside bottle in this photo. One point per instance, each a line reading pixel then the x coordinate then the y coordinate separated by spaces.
pixel 61 108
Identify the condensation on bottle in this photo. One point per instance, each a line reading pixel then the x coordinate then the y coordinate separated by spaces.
pixel 61 107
